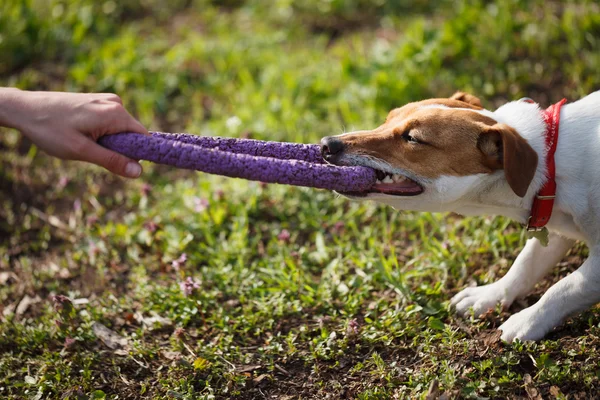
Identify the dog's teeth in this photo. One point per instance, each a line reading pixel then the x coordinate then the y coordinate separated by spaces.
pixel 399 178
pixel 388 179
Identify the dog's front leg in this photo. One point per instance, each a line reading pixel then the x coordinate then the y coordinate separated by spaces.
pixel 572 294
pixel 528 269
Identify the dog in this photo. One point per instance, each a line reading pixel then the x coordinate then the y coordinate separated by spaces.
pixel 452 155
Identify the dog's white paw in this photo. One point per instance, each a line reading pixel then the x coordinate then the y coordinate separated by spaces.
pixel 481 299
pixel 527 324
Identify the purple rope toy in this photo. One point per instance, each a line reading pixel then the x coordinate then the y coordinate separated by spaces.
pixel 272 162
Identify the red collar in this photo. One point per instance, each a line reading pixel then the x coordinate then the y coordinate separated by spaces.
pixel 541 210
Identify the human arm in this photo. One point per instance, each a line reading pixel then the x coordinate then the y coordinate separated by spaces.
pixel 67 125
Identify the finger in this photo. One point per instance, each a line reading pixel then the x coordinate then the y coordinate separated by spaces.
pixel 112 161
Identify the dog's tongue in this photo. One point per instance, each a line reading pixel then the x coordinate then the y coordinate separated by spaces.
pixel 404 187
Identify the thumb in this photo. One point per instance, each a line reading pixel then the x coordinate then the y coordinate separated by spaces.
pixel 112 161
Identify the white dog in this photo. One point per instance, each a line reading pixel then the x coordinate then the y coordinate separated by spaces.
pixel 443 155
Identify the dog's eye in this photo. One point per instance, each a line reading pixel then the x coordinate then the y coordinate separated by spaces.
pixel 409 138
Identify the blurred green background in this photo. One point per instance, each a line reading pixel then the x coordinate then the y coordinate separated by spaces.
pixel 288 68
pixel 302 294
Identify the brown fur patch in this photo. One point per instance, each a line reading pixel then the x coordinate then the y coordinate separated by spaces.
pixel 513 154
pixel 467 98
pixel 448 141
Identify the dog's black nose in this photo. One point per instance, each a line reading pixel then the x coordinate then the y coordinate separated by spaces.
pixel 330 147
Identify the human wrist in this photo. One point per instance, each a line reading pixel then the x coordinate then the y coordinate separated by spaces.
pixel 12 104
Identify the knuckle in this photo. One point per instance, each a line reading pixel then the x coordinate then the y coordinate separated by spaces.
pixel 114 162
pixel 112 97
pixel 113 107
pixel 112 112
pixel 115 98
pixel 113 159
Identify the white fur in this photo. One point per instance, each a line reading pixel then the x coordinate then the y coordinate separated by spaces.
pixel 576 216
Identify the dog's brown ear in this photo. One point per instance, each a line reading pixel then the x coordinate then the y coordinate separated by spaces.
pixel 504 148
pixel 467 98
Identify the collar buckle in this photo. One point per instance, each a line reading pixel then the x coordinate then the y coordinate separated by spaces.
pixel 540 234
pixel 530 228
pixel 548 197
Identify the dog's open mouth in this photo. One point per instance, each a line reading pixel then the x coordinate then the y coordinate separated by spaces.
pixel 391 184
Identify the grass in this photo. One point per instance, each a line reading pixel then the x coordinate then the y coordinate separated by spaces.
pixel 301 293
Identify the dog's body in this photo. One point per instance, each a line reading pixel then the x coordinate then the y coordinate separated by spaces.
pixel 461 158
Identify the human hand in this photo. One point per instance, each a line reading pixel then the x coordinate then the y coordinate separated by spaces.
pixel 67 125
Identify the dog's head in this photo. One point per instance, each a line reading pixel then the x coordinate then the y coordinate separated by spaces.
pixel 435 151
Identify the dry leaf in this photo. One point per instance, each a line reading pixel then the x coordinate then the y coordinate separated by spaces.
pixel 492 338
pixel 80 302
pixel 171 355
pixel 434 390
pixel 532 392
pixel 25 303
pixel 153 322
pixel 247 368
pixel 7 277
pixel 281 369
pixel 9 309
pixel 445 396
pixel 259 378
pixel 555 391
pixel 109 337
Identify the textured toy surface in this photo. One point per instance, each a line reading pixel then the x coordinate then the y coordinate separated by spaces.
pixel 273 162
